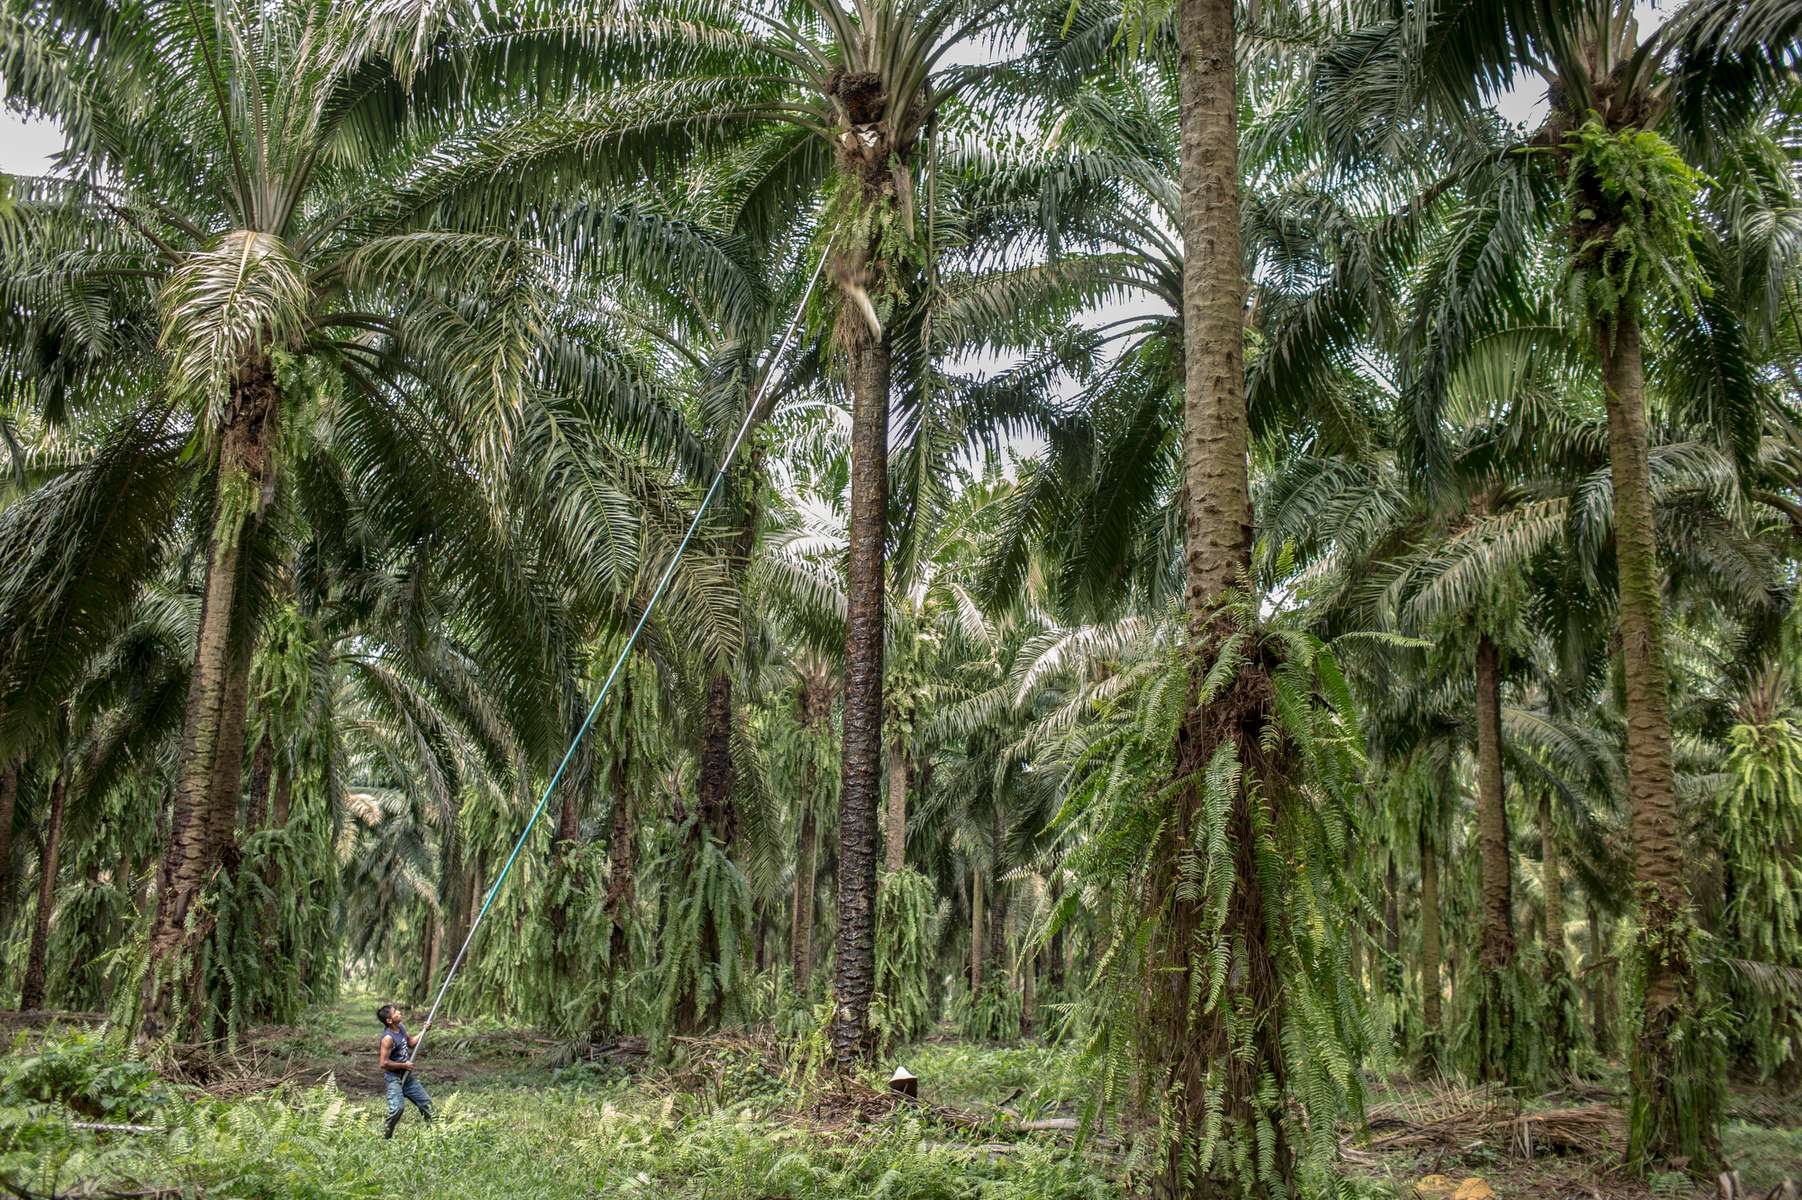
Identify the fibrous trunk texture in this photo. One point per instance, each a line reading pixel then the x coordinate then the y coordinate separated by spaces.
pixel 31 996
pixel 622 856
pixel 1495 1015
pixel 814 699
pixel 9 800
pixel 860 789
pixel 262 769
pixel 212 740
pixel 718 775
pixel 977 921
pixel 1662 1128
pixel 1559 1018
pixel 1430 983
pixel 1551 884
pixel 1216 554
pixel 801 926
pixel 894 855
pixel 1596 971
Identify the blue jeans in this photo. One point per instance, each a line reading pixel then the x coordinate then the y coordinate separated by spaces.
pixel 401 1084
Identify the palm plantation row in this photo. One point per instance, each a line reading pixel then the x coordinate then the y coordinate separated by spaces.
pixel 1376 647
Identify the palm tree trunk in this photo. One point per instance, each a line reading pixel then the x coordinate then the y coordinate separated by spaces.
pixel 813 699
pixel 718 773
pixel 1551 869
pixel 569 824
pixel 1392 914
pixel 1659 1131
pixel 31 996
pixel 212 740
pixel 1559 1018
pixel 895 826
pixel 1598 983
pixel 9 800
pixel 997 939
pixel 434 946
pixel 976 927
pixel 801 928
pixel 622 863
pixel 1430 984
pixel 284 797
pixel 1495 1016
pixel 854 975
pixel 716 822
pixel 1029 992
pixel 262 768
pixel 569 829
pixel 228 767
pixel 1188 1045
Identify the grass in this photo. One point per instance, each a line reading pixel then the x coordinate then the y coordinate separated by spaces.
pixel 726 1124
pixel 520 1131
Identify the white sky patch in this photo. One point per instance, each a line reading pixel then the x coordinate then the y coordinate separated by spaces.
pixel 26 146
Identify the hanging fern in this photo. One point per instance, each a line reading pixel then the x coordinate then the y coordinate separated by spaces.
pixel 904 1007
pixel 1760 821
pixel 704 939
pixel 1121 822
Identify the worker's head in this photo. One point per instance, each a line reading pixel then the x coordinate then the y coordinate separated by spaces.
pixel 387 1013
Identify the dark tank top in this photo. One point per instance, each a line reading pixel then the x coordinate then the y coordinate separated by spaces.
pixel 400 1052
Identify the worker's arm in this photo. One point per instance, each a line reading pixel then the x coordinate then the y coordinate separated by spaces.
pixel 389 1064
pixel 413 1039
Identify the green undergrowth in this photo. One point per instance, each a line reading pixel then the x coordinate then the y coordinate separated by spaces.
pixel 582 1131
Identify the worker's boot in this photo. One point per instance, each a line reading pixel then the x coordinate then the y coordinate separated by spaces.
pixel 426 1112
pixel 393 1120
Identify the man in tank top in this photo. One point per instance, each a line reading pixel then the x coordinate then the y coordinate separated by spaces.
pixel 397 1068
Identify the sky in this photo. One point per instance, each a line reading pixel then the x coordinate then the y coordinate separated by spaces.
pixel 26 146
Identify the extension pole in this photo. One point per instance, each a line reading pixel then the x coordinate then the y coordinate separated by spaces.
pixel 619 663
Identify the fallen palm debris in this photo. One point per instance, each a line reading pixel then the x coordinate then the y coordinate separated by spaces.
pixel 1467 1120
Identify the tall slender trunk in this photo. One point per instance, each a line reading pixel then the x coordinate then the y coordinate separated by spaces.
pixel 563 844
pixel 718 773
pixel 895 826
pixel 1662 1128
pixel 1551 870
pixel 622 876
pixel 977 922
pixel 1392 915
pixel 434 946
pixel 228 767
pixel 1029 991
pixel 211 754
pixel 1558 1021
pixel 854 967
pixel 281 808
pixel 1189 1044
pixel 31 996
pixel 456 888
pixel 1597 974
pixel 1430 983
pixel 813 700
pixel 717 821
pixel 622 861
pixel 9 799
pixel 801 928
pixel 1495 1015
pixel 997 940
pixel 262 768
pixel 1492 813
pixel 569 823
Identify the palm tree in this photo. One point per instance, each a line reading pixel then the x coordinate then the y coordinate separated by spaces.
pixel 229 233
pixel 1701 79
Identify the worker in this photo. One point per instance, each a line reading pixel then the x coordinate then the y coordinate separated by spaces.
pixel 397 1067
